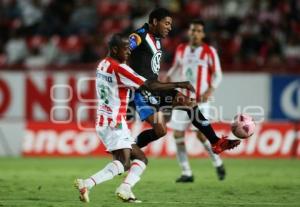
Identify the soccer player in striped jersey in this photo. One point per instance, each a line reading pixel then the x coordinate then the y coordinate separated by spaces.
pixel 113 80
pixel 145 58
pixel 198 63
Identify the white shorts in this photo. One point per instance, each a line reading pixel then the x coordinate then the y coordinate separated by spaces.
pixel 116 138
pixel 180 120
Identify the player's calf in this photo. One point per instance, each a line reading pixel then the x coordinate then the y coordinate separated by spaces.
pixel 138 154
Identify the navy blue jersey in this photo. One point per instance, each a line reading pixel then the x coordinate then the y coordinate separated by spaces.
pixel 145 53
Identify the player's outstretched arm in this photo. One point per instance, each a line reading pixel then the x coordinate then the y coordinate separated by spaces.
pixel 155 85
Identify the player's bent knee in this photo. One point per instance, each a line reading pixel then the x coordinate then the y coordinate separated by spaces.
pixel 126 165
pixel 140 157
pixel 138 154
pixel 162 133
pixel 125 162
pixel 144 160
pixel 160 130
pixel 178 134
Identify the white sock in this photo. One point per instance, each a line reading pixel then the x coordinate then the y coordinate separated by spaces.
pixel 217 161
pixel 134 174
pixel 182 157
pixel 107 173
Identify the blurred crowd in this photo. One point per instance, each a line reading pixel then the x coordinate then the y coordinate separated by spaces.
pixel 40 33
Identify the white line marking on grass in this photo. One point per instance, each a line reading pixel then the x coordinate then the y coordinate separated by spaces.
pixel 225 203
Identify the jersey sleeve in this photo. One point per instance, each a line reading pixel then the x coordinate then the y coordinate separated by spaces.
pixel 177 61
pixel 214 68
pixel 128 77
pixel 137 37
pixel 134 40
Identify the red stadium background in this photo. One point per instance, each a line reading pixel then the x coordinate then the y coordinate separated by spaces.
pixel 31 97
pixel 44 53
pixel 271 140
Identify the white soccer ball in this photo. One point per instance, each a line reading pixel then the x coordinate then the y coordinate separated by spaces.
pixel 243 126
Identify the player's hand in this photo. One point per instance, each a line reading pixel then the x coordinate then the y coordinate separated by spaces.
pixel 207 94
pixel 167 79
pixel 187 85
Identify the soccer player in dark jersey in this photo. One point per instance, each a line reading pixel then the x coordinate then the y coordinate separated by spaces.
pixel 145 44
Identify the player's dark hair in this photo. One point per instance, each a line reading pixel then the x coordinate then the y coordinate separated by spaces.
pixel 116 40
pixel 198 21
pixel 159 14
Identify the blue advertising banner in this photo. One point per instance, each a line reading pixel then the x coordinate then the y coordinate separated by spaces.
pixel 285 98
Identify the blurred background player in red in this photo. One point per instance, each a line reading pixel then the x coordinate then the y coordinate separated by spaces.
pixel 198 63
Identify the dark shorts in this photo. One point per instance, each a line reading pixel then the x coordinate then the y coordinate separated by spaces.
pixel 147 103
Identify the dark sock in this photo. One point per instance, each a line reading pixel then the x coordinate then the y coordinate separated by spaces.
pixel 145 137
pixel 202 124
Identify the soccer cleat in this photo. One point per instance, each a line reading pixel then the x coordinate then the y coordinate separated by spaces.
pixel 221 172
pixel 224 144
pixel 83 190
pixel 125 194
pixel 185 179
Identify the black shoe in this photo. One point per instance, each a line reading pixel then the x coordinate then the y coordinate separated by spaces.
pixel 221 172
pixel 185 179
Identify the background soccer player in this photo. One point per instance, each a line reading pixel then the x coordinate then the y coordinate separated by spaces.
pixel 112 82
pixel 145 44
pixel 198 63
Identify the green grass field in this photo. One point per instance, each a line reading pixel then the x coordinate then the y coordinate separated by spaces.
pixel 49 182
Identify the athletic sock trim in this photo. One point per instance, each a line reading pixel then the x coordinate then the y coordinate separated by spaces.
pixel 135 163
pixel 93 180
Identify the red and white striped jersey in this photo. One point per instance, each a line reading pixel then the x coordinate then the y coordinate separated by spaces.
pixel 200 65
pixel 113 82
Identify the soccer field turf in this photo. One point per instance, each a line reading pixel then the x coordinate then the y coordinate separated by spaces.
pixel 49 182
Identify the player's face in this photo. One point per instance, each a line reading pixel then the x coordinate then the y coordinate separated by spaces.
pixel 196 33
pixel 164 26
pixel 123 50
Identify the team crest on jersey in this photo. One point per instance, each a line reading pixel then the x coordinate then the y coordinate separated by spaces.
pixel 189 74
pixel 155 62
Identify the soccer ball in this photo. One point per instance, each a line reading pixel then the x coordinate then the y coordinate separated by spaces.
pixel 243 126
